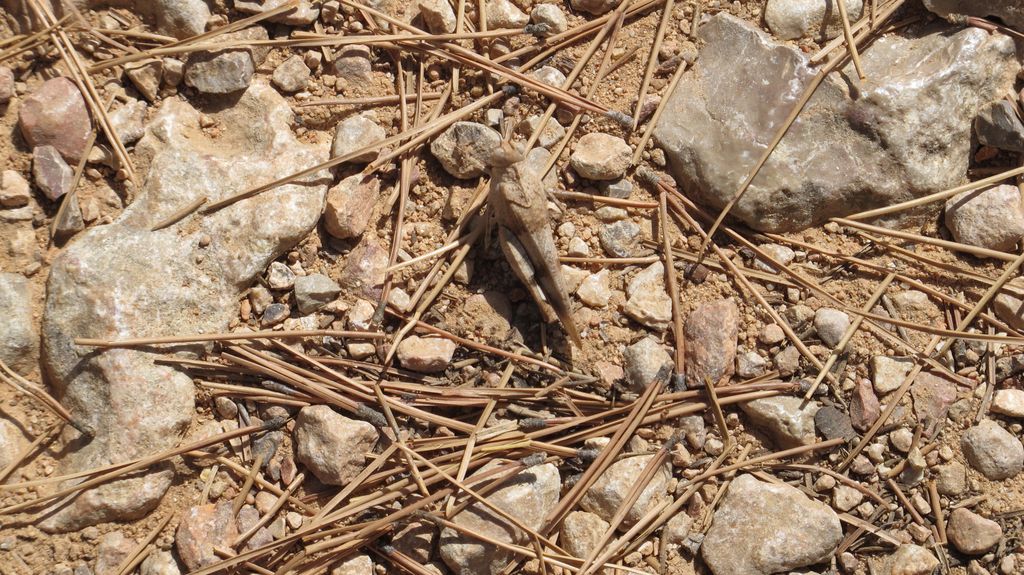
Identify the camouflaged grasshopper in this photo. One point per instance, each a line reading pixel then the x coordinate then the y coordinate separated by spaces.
pixel 519 204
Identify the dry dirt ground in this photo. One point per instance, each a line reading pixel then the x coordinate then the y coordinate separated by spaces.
pixel 433 201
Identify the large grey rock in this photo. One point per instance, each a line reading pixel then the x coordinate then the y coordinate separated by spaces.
pixel 123 280
pixel 762 528
pixel 19 343
pixel 818 19
pixel 528 496
pixel 902 133
pixel 1009 12
pixel 991 218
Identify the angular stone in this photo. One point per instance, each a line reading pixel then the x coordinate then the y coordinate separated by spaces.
pixel 609 492
pixel 128 121
pixel 354 134
pixel 98 287
pixel 710 332
pixel 291 75
pixel 220 72
pixel 551 17
pixel 56 115
pixel 833 423
pixel 331 445
pixel 280 276
pixel 350 205
pixel 991 218
pixel 864 406
pixel 1009 402
pixel 939 80
pixel 620 239
pixel 504 14
pixel 762 528
pixel 53 176
pixel 426 354
pixel 19 343
pixel 174 72
pixel 786 419
pixel 1008 304
pixel 643 361
pixel 750 364
pixel 600 156
pixel 997 125
pixel 464 149
pixel 817 19
pixel 992 450
pixel 647 302
pixel 595 291
pixel 951 478
pixel 528 496
pixel 552 133
pixel 581 530
pixel 787 361
pixel 71 221
pixel 201 529
pixel 314 291
pixel 364 271
pixel 145 76
pixel 889 372
pixel 438 15
pixel 14 190
pixel 971 533
pixel 179 18
pixel 912 559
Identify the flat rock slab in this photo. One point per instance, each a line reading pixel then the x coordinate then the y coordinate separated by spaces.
pixel 124 280
pixel 763 528
pixel 902 133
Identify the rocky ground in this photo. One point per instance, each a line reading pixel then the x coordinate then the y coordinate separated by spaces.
pixel 259 316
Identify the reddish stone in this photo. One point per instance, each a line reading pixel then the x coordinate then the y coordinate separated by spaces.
pixel 711 331
pixel 56 115
pixel 933 394
pixel 864 407
pixel 201 529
